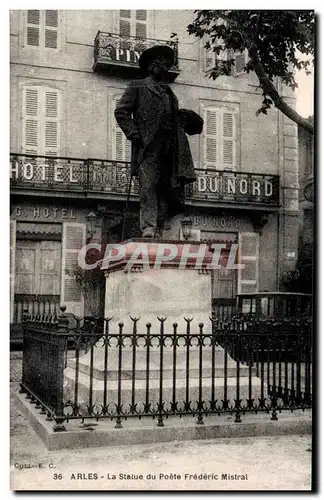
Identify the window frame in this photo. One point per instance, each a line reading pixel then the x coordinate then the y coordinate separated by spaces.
pixel 223 56
pixel 221 109
pixel 46 87
pixel 41 49
pixel 132 20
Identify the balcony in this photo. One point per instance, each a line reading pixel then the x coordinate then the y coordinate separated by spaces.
pixel 119 56
pixel 108 179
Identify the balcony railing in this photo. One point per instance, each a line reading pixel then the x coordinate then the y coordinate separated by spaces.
pixel 119 55
pixel 108 177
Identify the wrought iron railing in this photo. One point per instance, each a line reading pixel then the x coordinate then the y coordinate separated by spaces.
pixel 116 49
pixel 35 305
pixel 225 367
pixel 110 177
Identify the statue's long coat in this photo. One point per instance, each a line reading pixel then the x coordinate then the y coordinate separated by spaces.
pixel 140 109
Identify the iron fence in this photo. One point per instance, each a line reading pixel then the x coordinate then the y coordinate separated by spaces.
pixel 229 366
pixel 35 305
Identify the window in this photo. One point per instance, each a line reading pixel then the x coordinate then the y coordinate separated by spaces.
pixel 210 58
pixel 133 23
pixel 219 138
pixel 42 28
pixel 41 121
pixel 240 60
pixel 121 145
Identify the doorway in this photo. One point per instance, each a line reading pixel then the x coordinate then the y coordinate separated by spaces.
pixel 37 277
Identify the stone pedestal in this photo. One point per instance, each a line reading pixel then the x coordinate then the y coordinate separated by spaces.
pixel 148 293
pixel 158 293
pixel 175 289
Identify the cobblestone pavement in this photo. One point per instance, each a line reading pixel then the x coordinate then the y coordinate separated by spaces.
pixel 15 366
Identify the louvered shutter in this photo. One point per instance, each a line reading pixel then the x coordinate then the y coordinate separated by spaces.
pixel 52 132
pixel 33 27
pixel 51 29
pixel 228 141
pixel 211 146
pixel 42 28
pixel 140 27
pixel 73 239
pixel 140 30
pixel 41 121
pixel 248 278
pixel 12 267
pixel 133 23
pixel 125 23
pixel 121 145
pixel 31 125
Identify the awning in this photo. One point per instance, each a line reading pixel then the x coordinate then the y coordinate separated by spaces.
pixel 219 237
pixel 39 230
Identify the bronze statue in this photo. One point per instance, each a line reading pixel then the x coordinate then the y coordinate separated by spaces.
pixel 149 116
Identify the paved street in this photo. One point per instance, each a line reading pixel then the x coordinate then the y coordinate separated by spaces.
pixel 271 463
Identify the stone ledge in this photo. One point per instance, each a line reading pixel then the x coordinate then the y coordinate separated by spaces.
pixel 145 431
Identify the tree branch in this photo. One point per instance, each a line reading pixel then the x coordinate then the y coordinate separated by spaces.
pixel 271 91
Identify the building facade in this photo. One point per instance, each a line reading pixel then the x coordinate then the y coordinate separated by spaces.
pixel 306 176
pixel 69 160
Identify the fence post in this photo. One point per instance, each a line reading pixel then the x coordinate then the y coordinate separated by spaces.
pixel 62 329
pixel 24 321
pixel 200 407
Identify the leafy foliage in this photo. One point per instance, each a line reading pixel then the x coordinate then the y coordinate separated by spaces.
pixel 271 38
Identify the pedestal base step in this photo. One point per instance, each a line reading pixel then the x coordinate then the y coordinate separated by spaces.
pixel 223 389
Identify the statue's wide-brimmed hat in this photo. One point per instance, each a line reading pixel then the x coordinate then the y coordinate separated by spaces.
pixel 153 52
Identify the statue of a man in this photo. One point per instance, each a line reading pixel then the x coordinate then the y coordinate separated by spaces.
pixel 149 116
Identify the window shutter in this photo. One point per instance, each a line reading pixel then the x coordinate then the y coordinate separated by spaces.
pixel 248 278
pixel 122 147
pixel 51 123
pixel 140 30
pixel 12 267
pixel 73 239
pixel 228 140
pixel 211 149
pixel 33 27
pixel 239 62
pixel 31 120
pixel 133 23
pixel 51 28
pixel 209 59
pixel 219 139
pixel 125 13
pixel 125 23
pixel 41 121
pixel 141 15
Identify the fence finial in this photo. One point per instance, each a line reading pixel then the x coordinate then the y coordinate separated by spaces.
pixel 63 320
